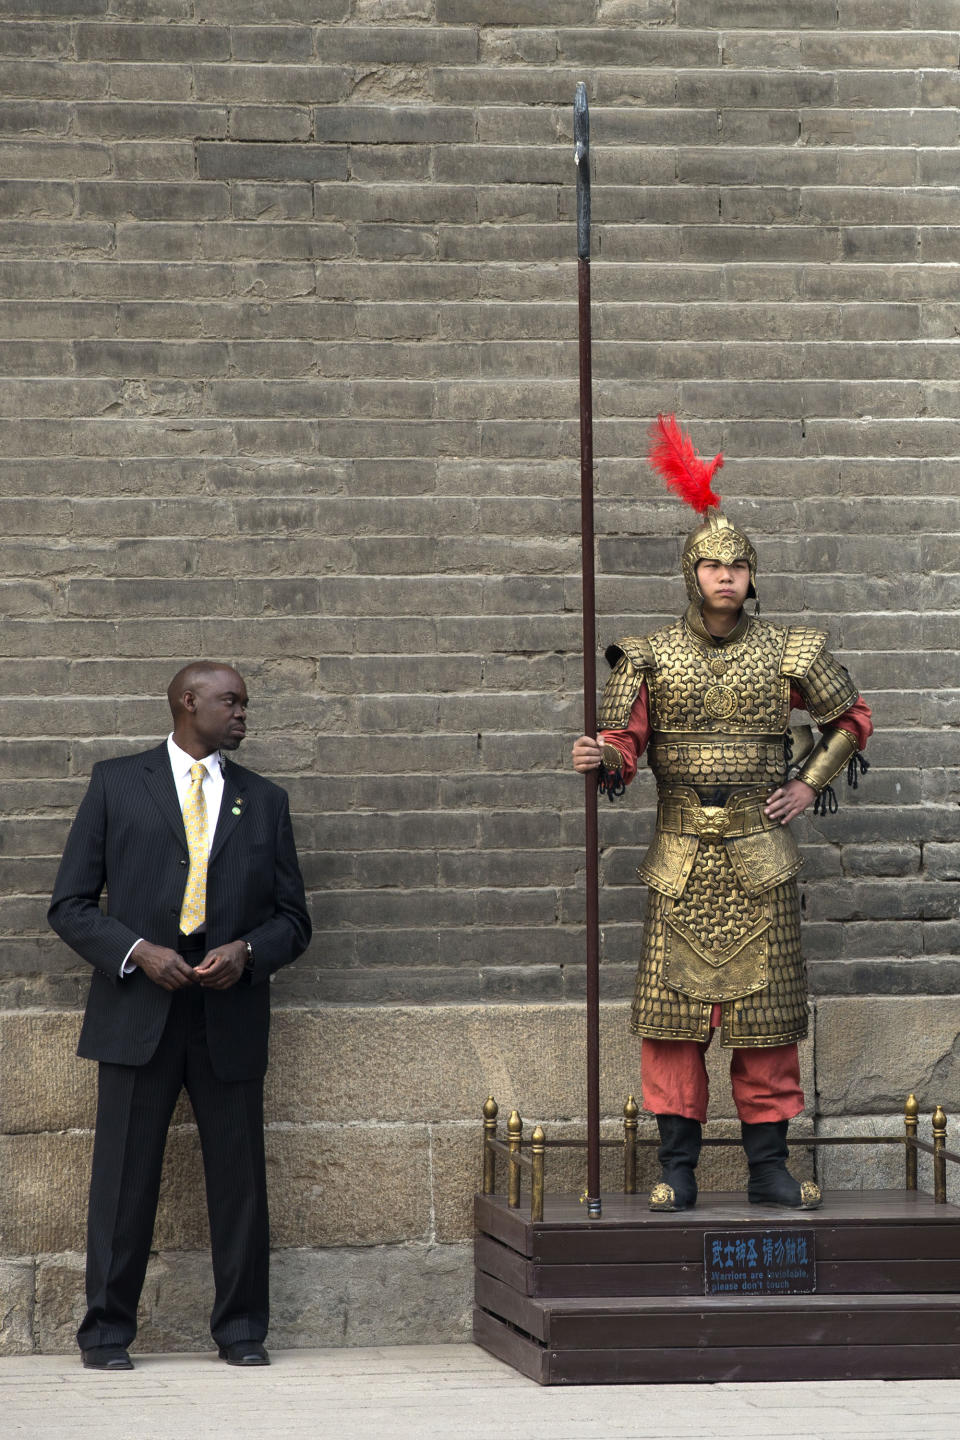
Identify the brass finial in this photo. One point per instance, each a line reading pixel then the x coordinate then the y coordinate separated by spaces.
pixel 939 1121
pixel 912 1108
pixel 490 1108
pixel 514 1124
pixel 631 1109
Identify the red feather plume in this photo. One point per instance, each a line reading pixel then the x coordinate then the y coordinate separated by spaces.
pixel 673 456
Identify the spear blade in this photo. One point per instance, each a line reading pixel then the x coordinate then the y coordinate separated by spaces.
pixel 581 158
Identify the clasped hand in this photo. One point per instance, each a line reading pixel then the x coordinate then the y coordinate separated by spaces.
pixel 218 970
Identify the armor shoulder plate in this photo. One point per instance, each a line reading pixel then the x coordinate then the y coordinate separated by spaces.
pixel 630 658
pixel 803 645
pixel 828 688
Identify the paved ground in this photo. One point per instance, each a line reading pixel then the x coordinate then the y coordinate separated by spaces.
pixel 439 1392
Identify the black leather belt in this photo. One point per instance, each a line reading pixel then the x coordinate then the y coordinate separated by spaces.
pixel 192 947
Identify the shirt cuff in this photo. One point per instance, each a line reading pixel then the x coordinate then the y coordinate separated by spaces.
pixel 127 967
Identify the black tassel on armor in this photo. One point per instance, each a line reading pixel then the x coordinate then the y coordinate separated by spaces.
pixel 826 802
pixel 610 782
pixel 856 767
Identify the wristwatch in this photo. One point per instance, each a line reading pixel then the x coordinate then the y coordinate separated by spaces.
pixel 248 964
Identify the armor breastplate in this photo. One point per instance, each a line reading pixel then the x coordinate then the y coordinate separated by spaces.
pixel 719 713
pixel 722 923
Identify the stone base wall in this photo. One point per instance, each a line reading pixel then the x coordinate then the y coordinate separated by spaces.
pixel 377 1295
pixel 373 1147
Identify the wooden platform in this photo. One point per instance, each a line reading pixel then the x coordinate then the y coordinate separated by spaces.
pixel 570 1300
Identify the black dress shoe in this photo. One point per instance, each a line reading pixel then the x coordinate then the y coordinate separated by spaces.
pixel 244 1352
pixel 106 1357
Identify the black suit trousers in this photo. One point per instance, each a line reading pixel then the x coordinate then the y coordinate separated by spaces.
pixel 135 1104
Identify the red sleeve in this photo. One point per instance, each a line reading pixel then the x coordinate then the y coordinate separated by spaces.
pixel 632 741
pixel 857 719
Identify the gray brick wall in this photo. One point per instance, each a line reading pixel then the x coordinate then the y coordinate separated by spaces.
pixel 288 376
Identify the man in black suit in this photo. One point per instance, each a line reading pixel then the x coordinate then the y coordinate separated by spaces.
pixel 204 902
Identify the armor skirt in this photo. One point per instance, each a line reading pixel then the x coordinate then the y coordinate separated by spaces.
pixel 723 946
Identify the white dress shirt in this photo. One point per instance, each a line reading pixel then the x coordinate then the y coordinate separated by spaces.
pixel 181 764
pixel 212 786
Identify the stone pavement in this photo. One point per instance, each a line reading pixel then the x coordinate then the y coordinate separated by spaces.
pixel 450 1392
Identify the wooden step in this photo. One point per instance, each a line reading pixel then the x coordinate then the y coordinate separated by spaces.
pixel 866 1242
pixel 693 1364
pixel 621 1297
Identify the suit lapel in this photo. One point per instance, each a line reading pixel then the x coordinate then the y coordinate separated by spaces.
pixel 232 807
pixel 158 778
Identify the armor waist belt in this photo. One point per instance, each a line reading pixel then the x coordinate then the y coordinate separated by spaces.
pixel 742 815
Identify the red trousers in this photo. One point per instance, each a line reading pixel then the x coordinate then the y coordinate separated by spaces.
pixel 765 1083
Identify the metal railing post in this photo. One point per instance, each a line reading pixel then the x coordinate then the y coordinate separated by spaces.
pixel 631 1110
pixel 514 1138
pixel 910 1113
pixel 490 1112
pixel 538 1155
pixel 939 1159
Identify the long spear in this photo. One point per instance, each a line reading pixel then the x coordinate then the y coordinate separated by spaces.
pixel 581 137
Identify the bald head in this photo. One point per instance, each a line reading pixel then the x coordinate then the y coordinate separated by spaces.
pixel 208 702
pixel 187 679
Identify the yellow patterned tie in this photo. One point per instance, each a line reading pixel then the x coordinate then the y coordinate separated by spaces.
pixel 193 911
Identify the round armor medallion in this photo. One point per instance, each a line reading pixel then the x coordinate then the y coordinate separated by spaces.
pixel 718 665
pixel 720 702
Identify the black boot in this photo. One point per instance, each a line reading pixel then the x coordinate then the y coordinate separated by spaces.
pixel 678 1155
pixel 770 1181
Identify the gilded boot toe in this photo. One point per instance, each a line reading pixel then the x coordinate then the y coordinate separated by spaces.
pixel 662 1197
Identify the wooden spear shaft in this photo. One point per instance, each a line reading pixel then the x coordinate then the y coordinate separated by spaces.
pixel 581 136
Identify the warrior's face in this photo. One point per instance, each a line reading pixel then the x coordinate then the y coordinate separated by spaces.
pixel 723 585
pixel 716 539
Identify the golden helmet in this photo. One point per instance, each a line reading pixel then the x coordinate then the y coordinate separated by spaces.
pixel 716 539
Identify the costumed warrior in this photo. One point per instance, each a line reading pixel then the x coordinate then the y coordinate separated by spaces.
pixel 708 699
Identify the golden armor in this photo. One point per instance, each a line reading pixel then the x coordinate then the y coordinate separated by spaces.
pixel 722 920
